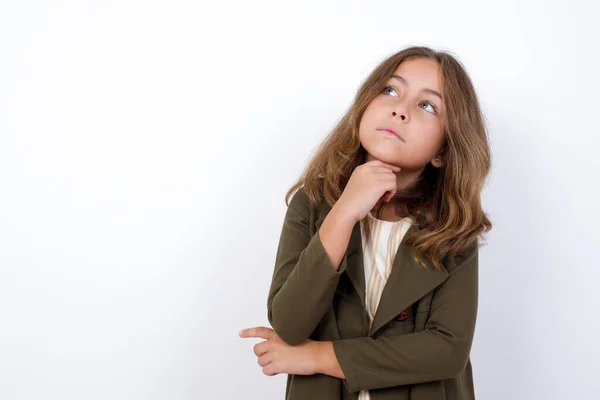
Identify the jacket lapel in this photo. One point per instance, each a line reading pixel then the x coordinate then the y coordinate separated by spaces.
pixel 407 283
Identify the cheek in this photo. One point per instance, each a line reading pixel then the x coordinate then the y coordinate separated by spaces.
pixel 374 113
pixel 437 134
pixel 431 139
pixel 376 108
pixel 366 122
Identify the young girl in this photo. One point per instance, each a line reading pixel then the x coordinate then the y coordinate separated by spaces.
pixel 375 287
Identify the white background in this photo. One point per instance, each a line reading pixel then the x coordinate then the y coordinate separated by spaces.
pixel 145 151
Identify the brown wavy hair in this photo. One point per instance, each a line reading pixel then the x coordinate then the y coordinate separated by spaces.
pixel 444 202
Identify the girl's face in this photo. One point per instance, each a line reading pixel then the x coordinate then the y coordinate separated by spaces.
pixel 410 106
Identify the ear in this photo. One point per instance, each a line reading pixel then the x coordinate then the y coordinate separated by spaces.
pixel 437 161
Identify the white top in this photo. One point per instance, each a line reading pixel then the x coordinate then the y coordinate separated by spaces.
pixel 378 257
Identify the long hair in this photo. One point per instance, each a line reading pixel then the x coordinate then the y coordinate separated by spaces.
pixel 444 202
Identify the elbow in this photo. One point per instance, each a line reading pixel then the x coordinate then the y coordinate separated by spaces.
pixel 450 356
pixel 290 337
pixel 283 325
pixel 454 361
pixel 455 366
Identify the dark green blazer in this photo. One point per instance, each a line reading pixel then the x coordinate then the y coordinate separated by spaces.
pixel 419 344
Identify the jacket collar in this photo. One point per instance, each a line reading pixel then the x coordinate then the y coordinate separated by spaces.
pixel 407 283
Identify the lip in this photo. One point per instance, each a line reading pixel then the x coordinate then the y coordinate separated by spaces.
pixel 390 130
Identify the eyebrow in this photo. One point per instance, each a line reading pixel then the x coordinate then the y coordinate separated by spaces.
pixel 426 90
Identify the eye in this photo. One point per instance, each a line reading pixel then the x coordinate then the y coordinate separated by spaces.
pixel 425 102
pixel 388 87
pixel 432 106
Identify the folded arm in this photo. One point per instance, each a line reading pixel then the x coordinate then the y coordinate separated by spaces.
pixel 440 351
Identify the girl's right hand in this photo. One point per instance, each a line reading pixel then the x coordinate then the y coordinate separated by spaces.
pixel 370 182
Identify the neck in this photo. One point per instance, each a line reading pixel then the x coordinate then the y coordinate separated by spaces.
pixel 392 211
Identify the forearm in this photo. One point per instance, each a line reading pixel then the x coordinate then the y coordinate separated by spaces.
pixel 393 361
pixel 306 275
pixel 335 235
pixel 382 359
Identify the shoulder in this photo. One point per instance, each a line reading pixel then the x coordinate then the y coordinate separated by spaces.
pixel 302 206
pixel 468 256
pixel 301 201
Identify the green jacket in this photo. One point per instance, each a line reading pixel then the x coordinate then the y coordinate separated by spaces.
pixel 420 341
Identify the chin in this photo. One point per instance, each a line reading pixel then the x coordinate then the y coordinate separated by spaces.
pixel 384 153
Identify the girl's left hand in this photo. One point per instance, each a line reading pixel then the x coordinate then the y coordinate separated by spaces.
pixel 278 357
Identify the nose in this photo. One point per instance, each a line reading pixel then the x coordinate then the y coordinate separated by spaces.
pixel 402 116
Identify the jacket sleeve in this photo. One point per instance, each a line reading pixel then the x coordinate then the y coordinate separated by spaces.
pixel 304 280
pixel 440 351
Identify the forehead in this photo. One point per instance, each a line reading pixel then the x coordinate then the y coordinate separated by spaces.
pixel 420 73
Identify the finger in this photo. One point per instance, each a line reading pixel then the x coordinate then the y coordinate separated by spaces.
pixel 391 187
pixel 261 348
pixel 265 360
pixel 384 169
pixel 392 166
pixel 384 164
pixel 270 369
pixel 258 331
